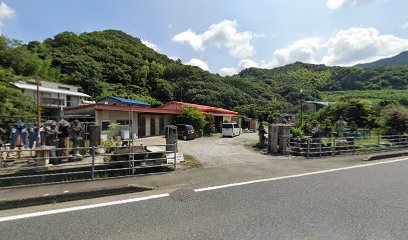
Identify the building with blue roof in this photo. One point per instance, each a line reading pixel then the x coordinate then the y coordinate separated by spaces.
pixel 123 102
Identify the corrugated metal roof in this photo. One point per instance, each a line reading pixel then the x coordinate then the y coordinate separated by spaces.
pixel 207 109
pixel 130 102
pixel 120 108
pixel 51 90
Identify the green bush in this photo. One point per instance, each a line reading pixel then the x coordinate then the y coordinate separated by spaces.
pixel 394 119
pixel 296 132
pixel 192 116
pixel 209 127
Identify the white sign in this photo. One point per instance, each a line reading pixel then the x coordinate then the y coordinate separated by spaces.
pixel 170 158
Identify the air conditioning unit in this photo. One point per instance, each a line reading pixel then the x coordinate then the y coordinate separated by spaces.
pixel 124 134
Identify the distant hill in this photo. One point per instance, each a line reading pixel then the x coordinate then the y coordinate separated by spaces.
pixel 113 63
pixel 398 60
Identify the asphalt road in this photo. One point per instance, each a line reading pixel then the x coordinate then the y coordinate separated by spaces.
pixel 362 203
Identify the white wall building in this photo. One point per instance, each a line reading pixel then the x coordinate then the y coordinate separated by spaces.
pixel 53 96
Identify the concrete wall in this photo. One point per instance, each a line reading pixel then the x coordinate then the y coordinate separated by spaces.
pixel 113 117
pixel 226 118
pixel 33 94
pixel 56 85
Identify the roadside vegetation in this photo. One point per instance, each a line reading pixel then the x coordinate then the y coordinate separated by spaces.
pixel 391 119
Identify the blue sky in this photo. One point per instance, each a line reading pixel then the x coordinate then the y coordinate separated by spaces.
pixel 226 36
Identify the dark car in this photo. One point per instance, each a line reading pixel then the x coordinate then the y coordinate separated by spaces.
pixel 186 131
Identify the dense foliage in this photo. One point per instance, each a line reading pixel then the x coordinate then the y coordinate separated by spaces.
pixel 359 112
pixel 192 116
pixel 378 97
pixel 394 119
pixel 111 62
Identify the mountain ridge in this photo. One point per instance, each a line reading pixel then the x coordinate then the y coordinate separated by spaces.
pixel 400 59
pixel 111 62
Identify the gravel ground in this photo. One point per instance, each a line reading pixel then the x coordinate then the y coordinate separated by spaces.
pixel 217 150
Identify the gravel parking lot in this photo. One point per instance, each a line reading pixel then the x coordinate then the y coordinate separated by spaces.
pixel 217 150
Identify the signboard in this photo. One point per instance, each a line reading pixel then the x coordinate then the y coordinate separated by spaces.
pixel 170 158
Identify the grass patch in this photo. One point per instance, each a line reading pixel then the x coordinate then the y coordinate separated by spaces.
pixel 371 141
pixel 251 145
pixel 191 162
pixel 375 96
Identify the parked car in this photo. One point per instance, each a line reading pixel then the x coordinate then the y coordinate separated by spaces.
pixel 186 131
pixel 231 130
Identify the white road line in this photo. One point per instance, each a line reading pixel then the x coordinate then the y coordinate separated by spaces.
pixel 71 209
pixel 296 175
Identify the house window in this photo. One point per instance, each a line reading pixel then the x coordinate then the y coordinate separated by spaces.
pixel 105 125
pixel 124 122
pixel 72 101
pixel 45 94
pixel 64 88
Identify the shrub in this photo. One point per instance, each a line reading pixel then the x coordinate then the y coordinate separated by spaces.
pixel 192 116
pixel 395 119
pixel 209 127
pixel 296 132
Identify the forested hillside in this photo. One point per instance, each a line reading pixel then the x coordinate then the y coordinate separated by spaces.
pixel 398 60
pixel 111 62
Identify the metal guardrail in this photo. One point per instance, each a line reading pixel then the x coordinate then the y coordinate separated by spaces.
pixel 331 146
pixel 48 165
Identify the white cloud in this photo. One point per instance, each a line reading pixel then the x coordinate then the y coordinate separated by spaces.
pixel 6 13
pixel 404 26
pixel 346 48
pixel 357 45
pixel 302 50
pixel 198 63
pixel 228 71
pixel 220 35
pixel 336 4
pixel 150 45
pixel 243 64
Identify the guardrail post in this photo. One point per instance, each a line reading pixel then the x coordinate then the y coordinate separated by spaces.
pixel 354 148
pixel 308 148
pixel 175 155
pixel 320 148
pixel 378 142
pixel 93 163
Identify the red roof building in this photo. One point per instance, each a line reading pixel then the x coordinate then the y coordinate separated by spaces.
pixel 143 121
pixel 178 106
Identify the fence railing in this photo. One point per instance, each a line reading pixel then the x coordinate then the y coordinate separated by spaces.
pixel 331 146
pixel 47 164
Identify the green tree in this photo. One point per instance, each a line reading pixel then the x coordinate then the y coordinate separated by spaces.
pixel 361 112
pixel 192 116
pixel 394 119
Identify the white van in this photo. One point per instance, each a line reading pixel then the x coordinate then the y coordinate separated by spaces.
pixel 230 130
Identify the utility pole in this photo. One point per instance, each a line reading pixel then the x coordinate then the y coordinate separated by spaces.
pixel 38 82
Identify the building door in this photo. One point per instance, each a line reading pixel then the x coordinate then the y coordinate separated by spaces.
pixel 218 123
pixel 153 125
pixel 142 125
pixel 161 125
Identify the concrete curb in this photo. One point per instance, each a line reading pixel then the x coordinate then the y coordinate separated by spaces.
pixel 71 196
pixel 385 155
